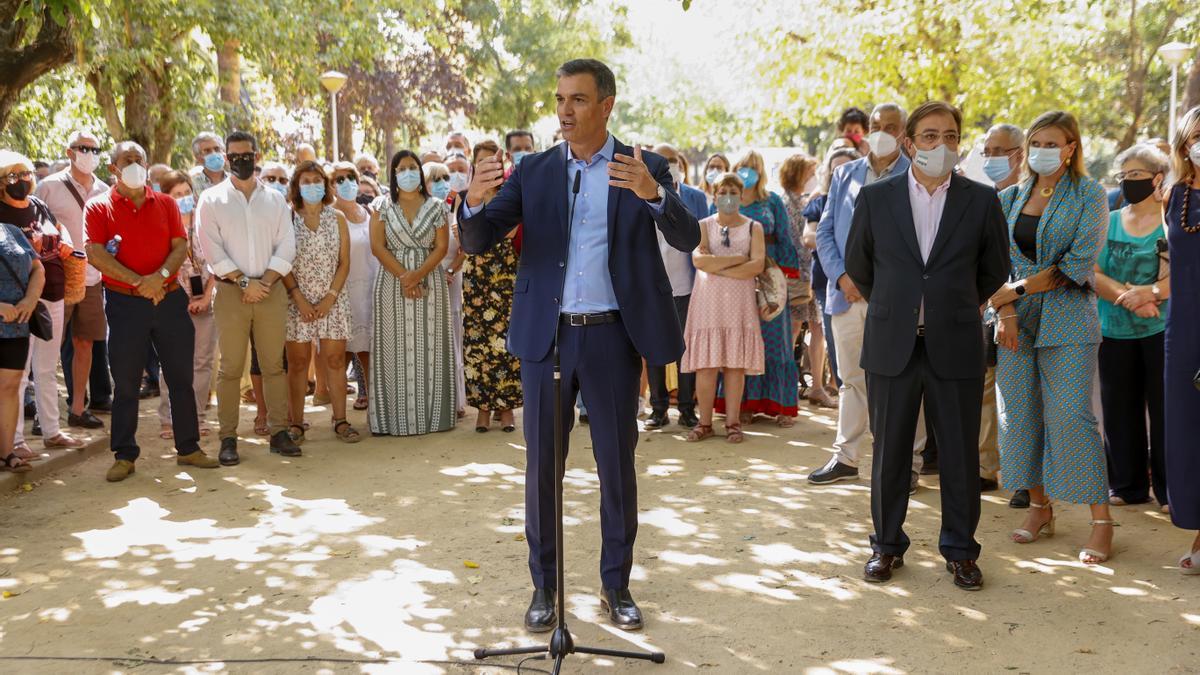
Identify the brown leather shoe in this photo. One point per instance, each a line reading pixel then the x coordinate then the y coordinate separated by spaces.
pixel 197 459
pixel 879 568
pixel 120 470
pixel 967 574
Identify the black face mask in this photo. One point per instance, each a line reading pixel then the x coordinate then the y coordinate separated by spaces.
pixel 18 190
pixel 242 168
pixel 364 200
pixel 1136 191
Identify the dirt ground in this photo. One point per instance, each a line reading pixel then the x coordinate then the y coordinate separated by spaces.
pixel 410 552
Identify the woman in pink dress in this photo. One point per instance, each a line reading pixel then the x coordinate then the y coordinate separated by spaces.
pixel 722 333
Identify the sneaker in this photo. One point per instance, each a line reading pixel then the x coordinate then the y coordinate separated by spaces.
pixel 120 470
pixel 85 421
pixel 833 472
pixel 197 459
pixel 282 444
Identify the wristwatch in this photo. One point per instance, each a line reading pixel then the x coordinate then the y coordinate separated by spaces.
pixel 166 274
pixel 662 194
pixel 244 282
pixel 1019 289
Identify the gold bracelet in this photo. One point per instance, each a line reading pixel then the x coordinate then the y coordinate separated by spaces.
pixel 1006 316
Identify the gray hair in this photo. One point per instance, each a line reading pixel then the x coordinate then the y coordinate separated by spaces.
pixel 893 108
pixel 1145 153
pixel 364 156
pixel 1016 135
pixel 435 167
pixel 79 134
pixel 206 136
pixel 123 146
pixel 268 166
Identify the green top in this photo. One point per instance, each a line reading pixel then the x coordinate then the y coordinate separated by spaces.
pixel 1134 260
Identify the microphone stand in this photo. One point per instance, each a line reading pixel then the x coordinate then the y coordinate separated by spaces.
pixel 561 643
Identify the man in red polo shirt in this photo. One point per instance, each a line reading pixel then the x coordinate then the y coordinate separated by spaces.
pixel 144 304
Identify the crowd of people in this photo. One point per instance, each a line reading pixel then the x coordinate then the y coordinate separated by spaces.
pixel 267 283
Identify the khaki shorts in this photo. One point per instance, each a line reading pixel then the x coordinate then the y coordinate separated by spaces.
pixel 87 316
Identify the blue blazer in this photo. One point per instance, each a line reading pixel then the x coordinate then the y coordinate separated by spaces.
pixel 536 195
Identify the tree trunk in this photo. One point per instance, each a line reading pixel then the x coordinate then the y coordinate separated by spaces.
pixel 164 121
pixel 229 75
pixel 23 63
pixel 389 148
pixel 345 133
pixel 108 105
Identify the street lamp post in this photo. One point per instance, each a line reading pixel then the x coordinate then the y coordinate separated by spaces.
pixel 333 81
pixel 1174 54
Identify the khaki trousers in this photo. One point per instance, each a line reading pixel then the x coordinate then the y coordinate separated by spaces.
pixel 236 322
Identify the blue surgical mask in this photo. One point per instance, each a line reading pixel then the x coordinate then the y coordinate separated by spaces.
pixel 518 156
pixel 186 204
pixel 347 190
pixel 156 187
pixel 408 180
pixel 440 188
pixel 997 168
pixel 1045 161
pixel 312 192
pixel 281 188
pixel 214 161
pixel 749 177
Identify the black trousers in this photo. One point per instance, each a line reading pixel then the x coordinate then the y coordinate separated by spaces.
pixel 134 324
pixel 954 408
pixel 1131 389
pixel 601 363
pixel 660 398
pixel 99 384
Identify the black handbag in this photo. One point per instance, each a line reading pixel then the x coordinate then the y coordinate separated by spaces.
pixel 40 324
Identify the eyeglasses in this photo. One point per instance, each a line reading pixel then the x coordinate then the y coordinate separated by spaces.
pixel 345 178
pixel 930 137
pixel 18 175
pixel 724 236
pixel 245 156
pixel 999 153
pixel 86 148
pixel 274 179
pixel 1133 174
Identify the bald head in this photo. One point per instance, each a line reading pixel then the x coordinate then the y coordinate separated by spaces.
pixel 305 152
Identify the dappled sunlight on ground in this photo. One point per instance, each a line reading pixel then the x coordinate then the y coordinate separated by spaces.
pixel 403 555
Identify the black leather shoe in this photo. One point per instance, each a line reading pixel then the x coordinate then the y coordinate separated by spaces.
pixel 879 568
pixel 621 609
pixel 688 419
pixel 282 444
pixel 102 407
pixel 229 454
pixel 967 574
pixel 37 427
pixel 657 420
pixel 832 473
pixel 148 390
pixel 929 469
pixel 1020 500
pixel 988 485
pixel 540 616
pixel 85 421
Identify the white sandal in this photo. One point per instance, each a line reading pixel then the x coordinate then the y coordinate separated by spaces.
pixel 1194 570
pixel 1023 536
pixel 1098 557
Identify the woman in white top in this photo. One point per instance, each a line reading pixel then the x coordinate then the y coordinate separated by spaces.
pixel 437 177
pixel 360 284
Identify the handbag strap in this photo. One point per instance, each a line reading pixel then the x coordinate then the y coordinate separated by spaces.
pixel 74 193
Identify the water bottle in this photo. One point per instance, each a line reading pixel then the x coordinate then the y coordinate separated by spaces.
pixel 113 245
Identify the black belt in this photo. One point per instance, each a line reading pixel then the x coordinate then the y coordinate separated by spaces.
pixel 590 319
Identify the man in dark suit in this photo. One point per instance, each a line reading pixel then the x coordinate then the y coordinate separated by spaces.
pixel 592 273
pixel 927 248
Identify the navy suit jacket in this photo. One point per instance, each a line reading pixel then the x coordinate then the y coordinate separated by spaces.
pixel 536 194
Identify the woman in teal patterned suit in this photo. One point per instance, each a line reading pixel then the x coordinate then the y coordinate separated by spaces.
pixel 1049 332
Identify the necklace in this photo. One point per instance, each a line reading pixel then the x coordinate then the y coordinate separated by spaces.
pixel 1046 191
pixel 1183 213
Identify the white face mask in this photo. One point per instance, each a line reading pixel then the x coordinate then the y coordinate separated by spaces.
pixel 134 176
pixel 1194 153
pixel 935 163
pixel 459 181
pixel 882 144
pixel 677 174
pixel 86 162
pixel 712 176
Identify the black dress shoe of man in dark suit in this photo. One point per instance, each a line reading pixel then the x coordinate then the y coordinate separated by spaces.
pixel 967 574
pixel 621 609
pixel 540 616
pixel 879 568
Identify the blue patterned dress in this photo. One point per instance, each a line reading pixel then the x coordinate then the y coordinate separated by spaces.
pixel 1049 436
pixel 1182 420
pixel 776 392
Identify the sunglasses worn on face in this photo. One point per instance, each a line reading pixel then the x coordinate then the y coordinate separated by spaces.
pixel 345 179
pixel 240 156
pixel 86 148
pixel 18 175
pixel 274 179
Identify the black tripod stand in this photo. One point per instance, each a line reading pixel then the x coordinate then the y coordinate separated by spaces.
pixel 561 643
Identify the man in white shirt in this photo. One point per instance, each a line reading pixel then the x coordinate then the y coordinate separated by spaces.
pixel 247 237
pixel 84 353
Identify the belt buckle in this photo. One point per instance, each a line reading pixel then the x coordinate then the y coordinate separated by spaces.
pixel 920 331
pixel 576 320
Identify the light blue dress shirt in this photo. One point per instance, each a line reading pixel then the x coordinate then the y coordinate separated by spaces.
pixel 587 287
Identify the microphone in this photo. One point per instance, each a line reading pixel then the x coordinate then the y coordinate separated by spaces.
pixel 575 188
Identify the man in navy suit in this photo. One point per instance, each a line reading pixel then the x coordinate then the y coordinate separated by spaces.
pixel 592 272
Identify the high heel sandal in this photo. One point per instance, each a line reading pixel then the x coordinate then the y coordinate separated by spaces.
pixel 1023 536
pixel 1097 557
